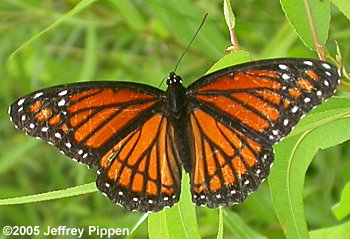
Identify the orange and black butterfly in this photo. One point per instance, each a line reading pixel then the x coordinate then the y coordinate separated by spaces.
pixel 221 129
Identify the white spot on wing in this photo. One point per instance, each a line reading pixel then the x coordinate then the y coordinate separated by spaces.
pixel 38 95
pixel 44 129
pixel 295 109
pixel 20 102
pixel 325 65
pixel 283 67
pixel 309 63
pixel 285 76
pixel 61 102
pixel 62 93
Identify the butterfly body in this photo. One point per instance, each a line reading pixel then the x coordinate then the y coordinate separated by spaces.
pixel 221 129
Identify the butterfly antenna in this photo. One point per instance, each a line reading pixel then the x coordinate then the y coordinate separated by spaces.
pixel 188 46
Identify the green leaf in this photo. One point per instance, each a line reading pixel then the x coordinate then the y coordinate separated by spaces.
pixel 182 23
pixel 344 6
pixel 230 59
pixel 296 13
pixel 229 15
pixel 69 192
pixel 130 13
pixel 178 221
pixel 339 232
pixel 220 234
pixel 342 209
pixel 293 157
pixel 78 8
pixel 328 111
pixel 239 227
pixel 89 63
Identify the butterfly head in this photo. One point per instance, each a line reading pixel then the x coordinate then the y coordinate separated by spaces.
pixel 173 79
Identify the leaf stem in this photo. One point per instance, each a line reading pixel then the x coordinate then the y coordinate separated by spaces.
pixel 319 47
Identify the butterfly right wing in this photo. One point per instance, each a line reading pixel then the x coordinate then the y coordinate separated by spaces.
pixel 228 165
pixel 238 113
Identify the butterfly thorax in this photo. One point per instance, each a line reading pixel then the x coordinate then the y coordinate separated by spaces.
pixel 176 95
pixel 178 115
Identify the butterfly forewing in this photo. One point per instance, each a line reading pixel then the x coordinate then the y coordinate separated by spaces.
pixel 251 107
pixel 85 120
pixel 266 98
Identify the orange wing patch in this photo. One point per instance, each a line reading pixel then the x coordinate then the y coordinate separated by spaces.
pixel 305 85
pixel 312 74
pixel 256 120
pixel 243 80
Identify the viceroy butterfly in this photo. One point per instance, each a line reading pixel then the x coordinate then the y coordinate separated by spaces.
pixel 221 129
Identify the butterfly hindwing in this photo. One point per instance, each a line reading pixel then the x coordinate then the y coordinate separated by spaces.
pixel 142 171
pixel 228 165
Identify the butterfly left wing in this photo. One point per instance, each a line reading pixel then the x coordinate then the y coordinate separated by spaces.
pixel 142 171
pixel 118 127
pixel 238 113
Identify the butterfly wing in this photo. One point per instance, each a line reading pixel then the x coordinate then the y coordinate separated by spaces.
pixel 238 113
pixel 142 171
pixel 109 125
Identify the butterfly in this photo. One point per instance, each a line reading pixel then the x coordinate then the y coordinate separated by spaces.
pixel 221 129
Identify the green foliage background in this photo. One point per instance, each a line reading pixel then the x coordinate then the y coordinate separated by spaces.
pixel 140 41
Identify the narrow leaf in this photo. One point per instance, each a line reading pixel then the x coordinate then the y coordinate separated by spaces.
pixel 344 6
pixel 178 221
pixel 230 59
pixel 342 209
pixel 340 232
pixel 220 225
pixel 229 15
pixel 297 16
pixel 293 157
pixel 69 192
pixel 78 8
pixel 239 227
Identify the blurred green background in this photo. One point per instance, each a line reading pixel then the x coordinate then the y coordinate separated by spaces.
pixel 139 41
